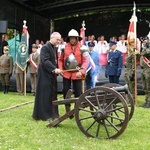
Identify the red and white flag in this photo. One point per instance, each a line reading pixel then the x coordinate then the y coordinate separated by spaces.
pixel 132 33
pixel 82 33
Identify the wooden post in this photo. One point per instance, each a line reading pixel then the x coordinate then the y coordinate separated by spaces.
pixel 83 85
pixel 82 34
pixel 135 78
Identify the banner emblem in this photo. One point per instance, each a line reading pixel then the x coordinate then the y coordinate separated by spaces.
pixel 23 50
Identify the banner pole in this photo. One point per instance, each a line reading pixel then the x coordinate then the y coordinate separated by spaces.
pixel 15 46
pixel 82 34
pixel 83 84
pixel 24 82
pixel 135 78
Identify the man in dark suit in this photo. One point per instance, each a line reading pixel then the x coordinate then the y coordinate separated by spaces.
pixel 46 90
pixel 114 64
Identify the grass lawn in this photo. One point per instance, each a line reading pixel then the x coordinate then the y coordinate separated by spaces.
pixel 18 131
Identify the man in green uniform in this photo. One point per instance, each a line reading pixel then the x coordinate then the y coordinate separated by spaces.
pixel 145 72
pixel 130 68
pixel 6 66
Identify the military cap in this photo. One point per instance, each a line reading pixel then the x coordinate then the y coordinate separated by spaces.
pixel 91 44
pixel 6 48
pixel 34 46
pixel 111 43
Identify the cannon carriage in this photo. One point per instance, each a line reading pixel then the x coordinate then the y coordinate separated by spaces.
pixel 101 112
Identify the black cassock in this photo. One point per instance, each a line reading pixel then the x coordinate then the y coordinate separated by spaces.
pixel 46 90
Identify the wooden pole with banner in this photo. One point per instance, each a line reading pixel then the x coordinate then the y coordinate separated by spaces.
pixel 135 51
pixel 27 57
pixel 82 34
pixel 132 35
pixel 22 55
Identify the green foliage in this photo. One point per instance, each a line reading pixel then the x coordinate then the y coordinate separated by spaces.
pixel 18 131
pixel 10 33
pixel 101 11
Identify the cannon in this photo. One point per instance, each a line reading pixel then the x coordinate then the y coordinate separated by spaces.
pixel 101 112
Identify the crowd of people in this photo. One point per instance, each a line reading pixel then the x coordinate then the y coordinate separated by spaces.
pixel 74 62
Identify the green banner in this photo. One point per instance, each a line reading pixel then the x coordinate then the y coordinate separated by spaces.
pixel 12 48
pixel 22 55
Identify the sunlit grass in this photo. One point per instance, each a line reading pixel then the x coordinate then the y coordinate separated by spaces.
pixel 18 131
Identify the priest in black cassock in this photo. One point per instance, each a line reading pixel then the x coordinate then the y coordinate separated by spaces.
pixel 46 90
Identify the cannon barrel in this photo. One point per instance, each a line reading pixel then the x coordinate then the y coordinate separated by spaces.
pixel 118 89
pixel 73 100
pixel 121 88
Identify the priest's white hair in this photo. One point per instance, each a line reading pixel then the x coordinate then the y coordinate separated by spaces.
pixel 55 34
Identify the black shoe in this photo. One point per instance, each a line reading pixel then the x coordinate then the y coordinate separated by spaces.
pixel 32 94
pixel 4 89
pixel 50 120
pixel 147 105
pixel 54 119
pixel 7 89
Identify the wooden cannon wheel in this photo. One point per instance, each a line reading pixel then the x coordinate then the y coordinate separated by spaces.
pixel 128 97
pixel 97 122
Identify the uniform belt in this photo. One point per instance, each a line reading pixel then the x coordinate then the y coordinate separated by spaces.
pixel 112 64
pixel 4 66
